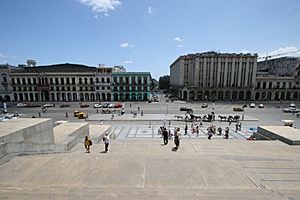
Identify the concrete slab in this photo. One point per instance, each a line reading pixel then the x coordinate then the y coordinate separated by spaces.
pixel 143 169
pixel 285 134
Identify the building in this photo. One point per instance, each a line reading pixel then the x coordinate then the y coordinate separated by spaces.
pixel 214 76
pixel 284 66
pixel 5 83
pixel 131 86
pixel 71 82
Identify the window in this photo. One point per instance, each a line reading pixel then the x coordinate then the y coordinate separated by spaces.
pixel 51 81
pixel 13 81
pixel 56 81
pixel 62 81
pixel 29 80
pixel 23 81
pixel 103 88
pixel 74 88
pixel 270 85
pixel 91 81
pixel 85 81
pixel 68 81
pixel 108 80
pixel 69 88
pixel 80 80
pixel 73 81
pixel 18 81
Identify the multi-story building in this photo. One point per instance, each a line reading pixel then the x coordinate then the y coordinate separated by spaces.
pixel 131 86
pixel 284 66
pixel 5 85
pixel 71 82
pixel 214 76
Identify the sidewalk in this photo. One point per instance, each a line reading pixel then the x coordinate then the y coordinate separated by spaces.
pixel 151 117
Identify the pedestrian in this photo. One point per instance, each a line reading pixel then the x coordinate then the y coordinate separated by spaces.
pixel 87 115
pixel 240 126
pixel 165 136
pixel 177 138
pixel 106 141
pixel 97 111
pixel 243 117
pixel 142 113
pixel 229 122
pixel 130 105
pixel 197 130
pixel 112 116
pixel 87 144
pixel 220 131
pixel 169 123
pixel 40 114
pixel 236 127
pixel 185 129
pixel 226 136
pixel 138 108
pixel 209 132
pixel 66 115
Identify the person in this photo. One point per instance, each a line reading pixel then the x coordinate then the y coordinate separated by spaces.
pixel 185 129
pixel 229 122
pixel 33 116
pixel 169 123
pixel 40 114
pixel 142 113
pixel 66 115
pixel 209 133
pixel 197 130
pixel 240 126
pixel 106 141
pixel 177 138
pixel 226 136
pixel 87 115
pixel 236 127
pixel 97 111
pixel 87 144
pixel 220 131
pixel 112 116
pixel 101 122
pixel 165 136
pixel 138 108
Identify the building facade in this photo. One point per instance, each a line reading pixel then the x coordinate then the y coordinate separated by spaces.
pixel 131 86
pixel 71 82
pixel 214 76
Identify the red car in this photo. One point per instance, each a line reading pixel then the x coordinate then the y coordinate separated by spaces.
pixel 118 105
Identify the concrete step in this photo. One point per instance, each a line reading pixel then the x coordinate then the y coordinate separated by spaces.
pixel 97 132
pixel 68 135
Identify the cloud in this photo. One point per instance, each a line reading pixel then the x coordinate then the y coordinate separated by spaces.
pixel 128 61
pixel 150 10
pixel 180 46
pixel 282 52
pixel 126 45
pixel 3 58
pixel 178 39
pixel 101 6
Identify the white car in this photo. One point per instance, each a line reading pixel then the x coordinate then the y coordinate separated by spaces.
pixel 252 105
pixel 20 105
pixel 48 105
pixel 111 105
pixel 292 105
pixel 261 105
pixel 97 105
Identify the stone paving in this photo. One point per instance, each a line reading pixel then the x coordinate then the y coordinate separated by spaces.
pixel 146 131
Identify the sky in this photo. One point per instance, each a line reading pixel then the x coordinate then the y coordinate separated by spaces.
pixel 144 35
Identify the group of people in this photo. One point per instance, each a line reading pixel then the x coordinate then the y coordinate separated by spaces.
pixel 194 127
pixel 88 143
pixel 168 135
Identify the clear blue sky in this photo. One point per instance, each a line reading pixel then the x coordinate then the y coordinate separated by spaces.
pixel 143 35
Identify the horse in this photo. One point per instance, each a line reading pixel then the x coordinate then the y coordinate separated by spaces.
pixel 222 117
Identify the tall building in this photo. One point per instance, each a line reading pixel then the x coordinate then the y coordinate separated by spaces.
pixel 214 76
pixel 5 83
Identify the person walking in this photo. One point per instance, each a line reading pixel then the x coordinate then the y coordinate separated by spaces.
pixel 40 114
pixel 177 138
pixel 165 136
pixel 236 127
pixel 185 129
pixel 66 115
pixel 197 130
pixel 87 144
pixel 106 141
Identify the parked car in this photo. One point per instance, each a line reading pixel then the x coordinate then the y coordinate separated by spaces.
pixel 238 109
pixel 183 108
pixel 204 105
pixel 20 105
pixel 64 105
pixel 252 105
pixel 290 110
pixel 110 105
pixel 286 110
pixel 97 105
pixel 84 105
pixel 47 105
pixel 261 105
pixel 118 105
pixel 292 105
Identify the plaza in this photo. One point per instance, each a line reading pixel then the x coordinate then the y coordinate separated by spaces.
pixel 139 166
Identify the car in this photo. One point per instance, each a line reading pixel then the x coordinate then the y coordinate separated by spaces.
pixel 238 109
pixel 97 105
pixel 292 105
pixel 294 110
pixel 261 105
pixel 47 105
pixel 252 105
pixel 204 105
pixel 286 110
pixel 64 105
pixel 20 105
pixel 118 105
pixel 184 109
pixel 84 105
pixel 110 105
pixel 244 106
pixel 105 105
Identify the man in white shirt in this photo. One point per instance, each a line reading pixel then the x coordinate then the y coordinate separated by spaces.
pixel 106 140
